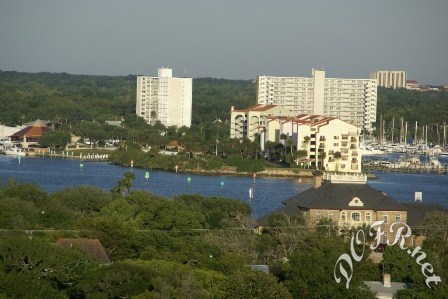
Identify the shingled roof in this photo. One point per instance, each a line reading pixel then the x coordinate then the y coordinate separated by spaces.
pixel 335 196
pixel 92 247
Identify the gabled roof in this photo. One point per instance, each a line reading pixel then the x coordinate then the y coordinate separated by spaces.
pixel 336 196
pixel 92 247
pixel 35 129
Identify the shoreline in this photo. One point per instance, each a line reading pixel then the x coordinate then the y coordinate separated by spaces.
pixel 290 173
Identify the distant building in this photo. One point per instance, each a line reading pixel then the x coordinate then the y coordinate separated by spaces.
pixel 345 200
pixel 390 79
pixel 412 84
pixel 165 98
pixel 116 123
pixel 30 135
pixel 318 134
pixel 250 122
pixel 350 100
pixel 7 131
pixel 313 133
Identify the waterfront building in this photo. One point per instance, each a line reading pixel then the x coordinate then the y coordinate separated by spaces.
pixel 321 137
pixel 350 100
pixel 345 200
pixel 165 98
pixel 30 135
pixel 315 134
pixel 390 79
pixel 250 122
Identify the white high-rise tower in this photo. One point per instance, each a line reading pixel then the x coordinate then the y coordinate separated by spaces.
pixel 165 98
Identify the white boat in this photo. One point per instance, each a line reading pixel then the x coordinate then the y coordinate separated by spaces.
pixel 14 151
pixel 370 151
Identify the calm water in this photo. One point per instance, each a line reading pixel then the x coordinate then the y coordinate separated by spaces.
pixel 56 174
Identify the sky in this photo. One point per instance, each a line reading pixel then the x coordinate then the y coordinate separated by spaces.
pixel 230 39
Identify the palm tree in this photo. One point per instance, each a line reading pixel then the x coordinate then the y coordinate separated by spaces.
pixel 321 156
pixel 337 157
pixel 290 143
pixel 302 154
pixel 125 184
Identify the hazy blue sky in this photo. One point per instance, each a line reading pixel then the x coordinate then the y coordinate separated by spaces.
pixel 232 39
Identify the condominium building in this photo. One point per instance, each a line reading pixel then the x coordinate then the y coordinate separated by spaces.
pixel 251 122
pixel 390 79
pixel 314 134
pixel 165 98
pixel 321 137
pixel 351 100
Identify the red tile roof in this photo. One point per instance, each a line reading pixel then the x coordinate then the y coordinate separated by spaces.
pixel 35 129
pixel 92 247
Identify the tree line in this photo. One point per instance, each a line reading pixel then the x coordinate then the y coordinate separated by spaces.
pixel 66 98
pixel 188 246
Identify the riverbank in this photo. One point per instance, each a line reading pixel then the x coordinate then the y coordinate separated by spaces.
pixel 275 172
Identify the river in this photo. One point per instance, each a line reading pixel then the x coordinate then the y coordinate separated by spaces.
pixel 54 174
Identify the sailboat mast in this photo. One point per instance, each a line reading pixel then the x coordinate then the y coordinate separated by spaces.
pixel 415 133
pixel 393 129
pixel 406 133
pixel 444 134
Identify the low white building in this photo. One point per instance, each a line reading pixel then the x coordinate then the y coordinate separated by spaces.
pixel 250 122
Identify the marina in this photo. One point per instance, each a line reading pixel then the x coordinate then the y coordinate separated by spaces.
pixel 407 163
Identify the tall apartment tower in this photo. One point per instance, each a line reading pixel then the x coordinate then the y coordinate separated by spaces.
pixel 390 79
pixel 350 100
pixel 165 98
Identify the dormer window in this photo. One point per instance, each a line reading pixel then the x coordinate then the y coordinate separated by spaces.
pixel 356 202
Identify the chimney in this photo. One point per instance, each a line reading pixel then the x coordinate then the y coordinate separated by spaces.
pixel 386 280
pixel 317 178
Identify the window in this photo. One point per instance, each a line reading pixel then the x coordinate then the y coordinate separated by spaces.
pixel 385 218
pixel 368 216
pixel 397 217
pixel 355 216
pixel 330 215
pixel 342 216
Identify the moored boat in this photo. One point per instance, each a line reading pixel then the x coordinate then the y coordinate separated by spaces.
pixel 14 151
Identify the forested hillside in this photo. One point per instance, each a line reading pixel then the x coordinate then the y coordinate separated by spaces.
pixel 67 98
